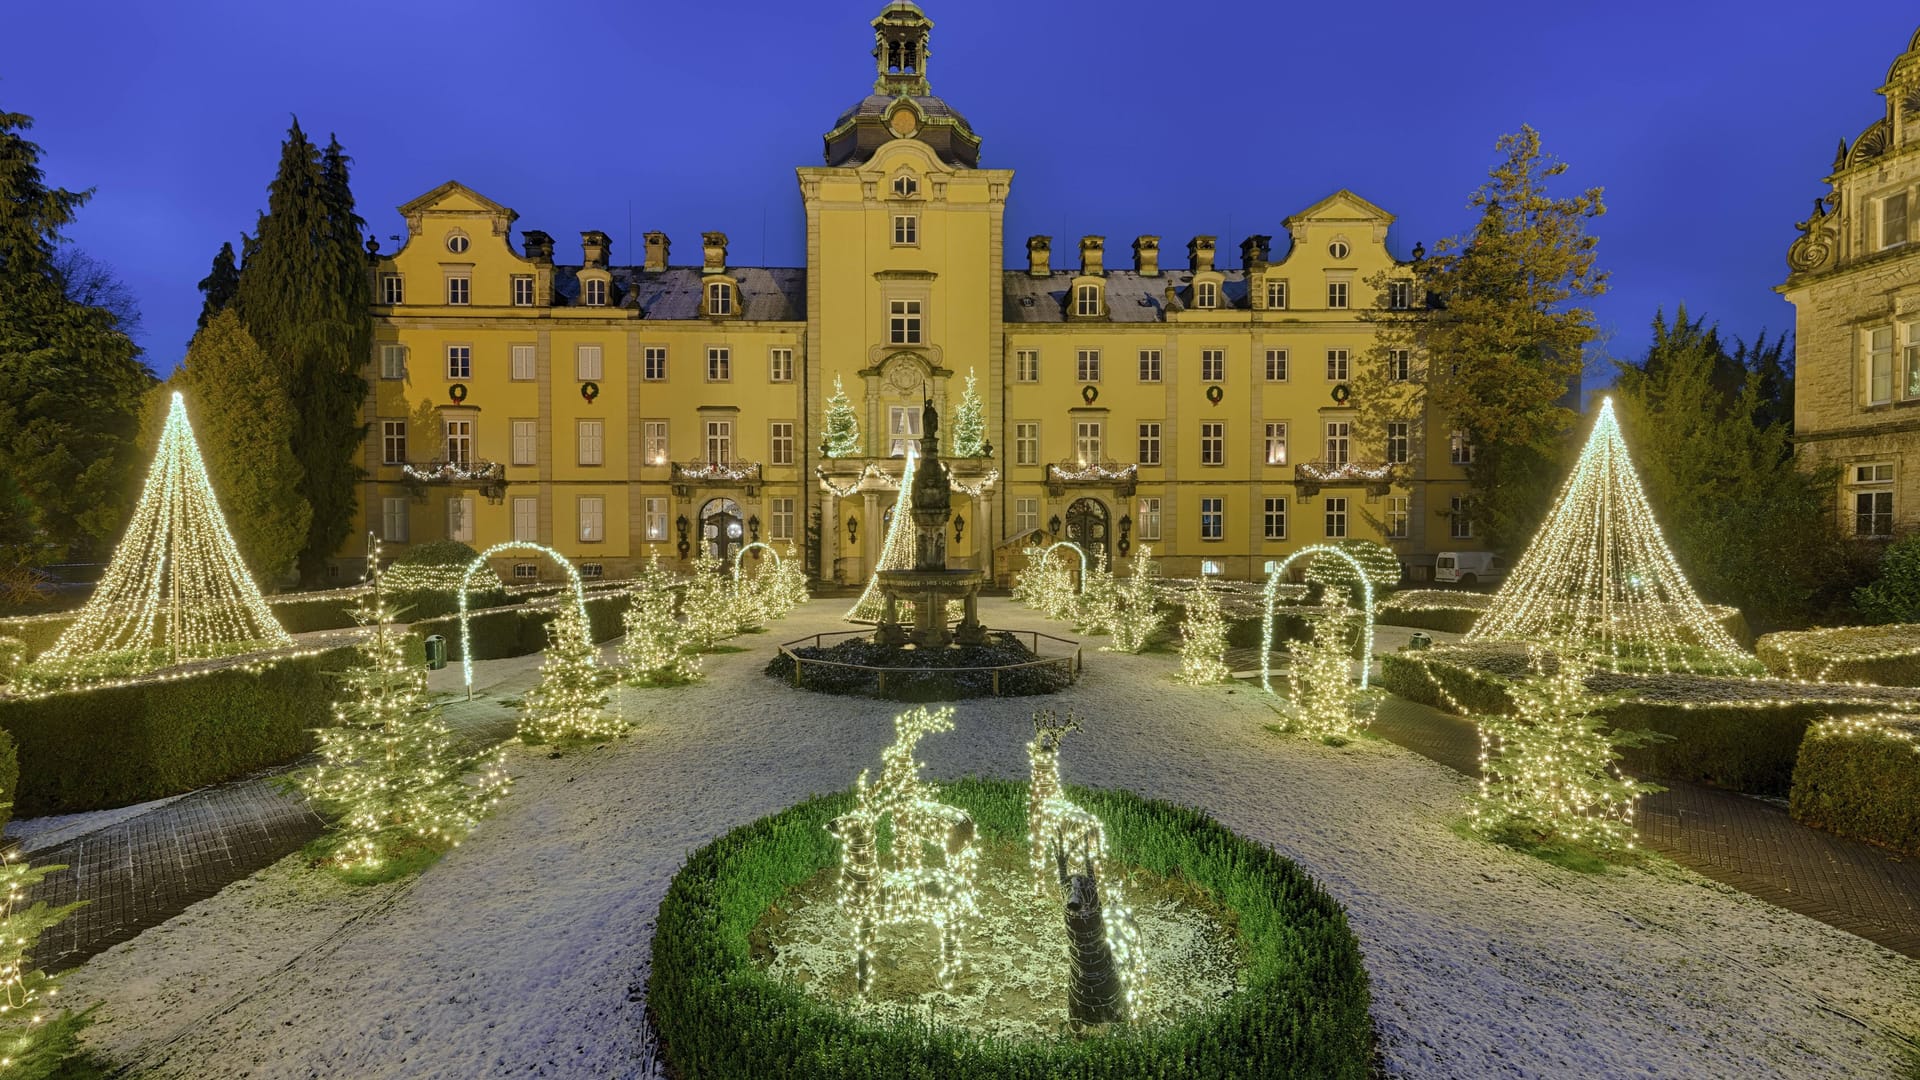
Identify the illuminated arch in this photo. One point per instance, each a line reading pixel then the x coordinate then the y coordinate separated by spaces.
pixel 1078 550
pixel 1266 622
pixel 573 576
pixel 742 553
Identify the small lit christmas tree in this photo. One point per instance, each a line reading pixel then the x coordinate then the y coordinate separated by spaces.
pixel 390 768
pixel 1203 638
pixel 1549 772
pixel 657 650
pixel 1327 703
pixel 570 703
pixel 34 1038
pixel 1047 584
pixel 843 426
pixel 707 604
pixel 1098 607
pixel 970 423
pixel 1137 613
pixel 789 583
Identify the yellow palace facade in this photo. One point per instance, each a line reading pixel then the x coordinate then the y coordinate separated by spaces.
pixel 616 410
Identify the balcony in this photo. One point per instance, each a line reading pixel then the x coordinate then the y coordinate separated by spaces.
pixel 487 477
pixel 1073 473
pixel 1310 476
pixel 687 475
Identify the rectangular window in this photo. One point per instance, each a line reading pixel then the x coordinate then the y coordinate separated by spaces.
pixel 1086 440
pixel 1336 294
pixel 1206 295
pixel 780 365
pixel 1150 518
pixel 1276 519
pixel 1397 441
pixel 593 569
pixel 524 362
pixel 1339 439
pixel 1026 443
pixel 460 518
pixel 595 293
pixel 1397 517
pixel 653 363
pixel 526 571
pixel 1026 515
pixel 1150 443
pixel 593 519
pixel 1399 295
pixel 393 519
pixel 1213 519
pixel 1276 444
pixel 1460 518
pixel 592 442
pixel 719 298
pixel 526 519
pixel 586 363
pixel 903 322
pixel 1913 360
pixel 1149 365
pixel 781 525
pixel 655 519
pixel 1873 474
pixel 1213 443
pixel 1213 365
pixel 719 441
pixel 393 361
pixel 1880 365
pixel 393 442
pixel 1893 220
pixel 780 443
pixel 1026 365
pixel 1336 518
pixel 459 361
pixel 1459 450
pixel 393 289
pixel 522 290
pixel 719 364
pixel 459 290
pixel 460 441
pixel 1873 513
pixel 903 427
pixel 1086 300
pixel 1399 365
pixel 653 447
pixel 1276 365
pixel 906 229
pixel 525 440
pixel 1086 365
pixel 1338 367
pixel 1277 295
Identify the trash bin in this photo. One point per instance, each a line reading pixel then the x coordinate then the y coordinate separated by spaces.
pixel 1419 640
pixel 436 652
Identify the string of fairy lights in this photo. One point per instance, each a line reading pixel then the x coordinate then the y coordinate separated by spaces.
pixel 478 564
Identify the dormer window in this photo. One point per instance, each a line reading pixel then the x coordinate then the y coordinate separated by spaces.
pixel 719 298
pixel 457 243
pixel 906 187
pixel 1206 295
pixel 596 293
pixel 1086 300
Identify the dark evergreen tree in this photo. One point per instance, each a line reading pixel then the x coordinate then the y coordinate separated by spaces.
pixel 219 286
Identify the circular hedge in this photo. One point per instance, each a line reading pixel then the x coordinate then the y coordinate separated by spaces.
pixel 1301 1010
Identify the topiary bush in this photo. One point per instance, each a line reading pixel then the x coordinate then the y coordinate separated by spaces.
pixel 1883 655
pixel 1301 1011
pixel 1894 596
pixel 1447 610
pixel 1859 776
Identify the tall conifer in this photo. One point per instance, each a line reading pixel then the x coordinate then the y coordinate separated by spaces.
pixel 218 287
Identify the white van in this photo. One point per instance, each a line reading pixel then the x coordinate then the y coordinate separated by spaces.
pixel 1468 567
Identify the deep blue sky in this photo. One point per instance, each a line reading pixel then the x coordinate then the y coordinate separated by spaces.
pixel 1709 124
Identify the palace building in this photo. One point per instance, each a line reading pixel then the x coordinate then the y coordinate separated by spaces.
pixel 614 410
pixel 1855 288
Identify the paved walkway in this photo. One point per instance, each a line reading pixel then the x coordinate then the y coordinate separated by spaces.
pixel 1749 843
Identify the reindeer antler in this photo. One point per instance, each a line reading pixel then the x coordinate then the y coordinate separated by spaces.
pixel 1049 729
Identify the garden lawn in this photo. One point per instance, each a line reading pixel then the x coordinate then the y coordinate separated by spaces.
pixel 525 951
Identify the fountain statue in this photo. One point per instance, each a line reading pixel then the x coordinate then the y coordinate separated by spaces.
pixel 929 584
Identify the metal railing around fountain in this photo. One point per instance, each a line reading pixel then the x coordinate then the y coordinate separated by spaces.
pixel 1069 662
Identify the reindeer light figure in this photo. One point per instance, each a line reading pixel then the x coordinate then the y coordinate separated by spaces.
pixel 934 862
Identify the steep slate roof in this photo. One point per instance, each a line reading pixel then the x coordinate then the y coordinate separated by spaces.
pixel 767 293
pixel 1131 297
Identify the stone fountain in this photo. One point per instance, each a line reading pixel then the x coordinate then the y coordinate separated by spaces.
pixel 929 584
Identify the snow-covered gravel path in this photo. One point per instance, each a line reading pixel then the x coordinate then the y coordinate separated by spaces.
pixel 524 952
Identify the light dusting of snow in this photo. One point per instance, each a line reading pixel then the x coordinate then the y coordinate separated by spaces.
pixel 524 952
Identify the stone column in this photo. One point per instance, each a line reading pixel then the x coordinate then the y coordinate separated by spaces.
pixel 829 533
pixel 876 533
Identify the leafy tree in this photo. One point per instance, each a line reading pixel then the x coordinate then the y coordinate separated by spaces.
pixel 217 289
pixel 244 420
pixel 843 427
pixel 303 294
pixel 970 423
pixel 1894 597
pixel 1499 338
pixel 70 376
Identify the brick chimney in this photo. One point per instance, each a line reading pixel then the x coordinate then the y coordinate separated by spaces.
pixel 656 252
pixel 1200 253
pixel 714 247
pixel 1146 256
pixel 1093 255
pixel 539 245
pixel 1039 255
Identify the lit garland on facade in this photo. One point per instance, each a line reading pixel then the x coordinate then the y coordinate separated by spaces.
pixel 726 471
pixel 1326 473
pixel 466 581
pixel 177 588
pixel 1094 471
pixel 657 650
pixel 453 472
pixel 1203 639
pixel 1275 587
pixel 1600 572
pixel 570 702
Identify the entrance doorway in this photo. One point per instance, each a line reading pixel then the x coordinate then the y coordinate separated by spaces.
pixel 1087 527
pixel 721 529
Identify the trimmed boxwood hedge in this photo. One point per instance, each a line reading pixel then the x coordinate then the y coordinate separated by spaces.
pixel 517 631
pixel 1860 777
pixel 1446 620
pixel 1882 655
pixel 9 777
pixel 1301 1012
pixel 115 745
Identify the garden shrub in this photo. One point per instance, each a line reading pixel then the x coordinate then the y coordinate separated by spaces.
pixel 36 635
pixel 518 631
pixel 9 777
pixel 1859 776
pixel 115 745
pixel 1883 655
pixel 1301 1011
pixel 1894 596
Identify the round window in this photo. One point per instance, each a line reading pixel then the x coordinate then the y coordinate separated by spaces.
pixel 457 243
pixel 1338 249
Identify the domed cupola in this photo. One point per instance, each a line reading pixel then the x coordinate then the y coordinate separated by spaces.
pixel 902 105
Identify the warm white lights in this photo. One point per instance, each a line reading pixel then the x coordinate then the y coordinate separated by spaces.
pixel 657 650
pixel 570 702
pixel 1203 638
pixel 1275 587
pixel 478 564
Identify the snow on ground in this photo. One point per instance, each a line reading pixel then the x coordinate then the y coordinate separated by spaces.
pixel 525 951
pixel 41 833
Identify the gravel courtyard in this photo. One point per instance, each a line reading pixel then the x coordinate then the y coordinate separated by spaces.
pixel 524 952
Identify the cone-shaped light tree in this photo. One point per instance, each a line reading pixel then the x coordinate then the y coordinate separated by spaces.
pixel 896 552
pixel 1600 574
pixel 177 588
